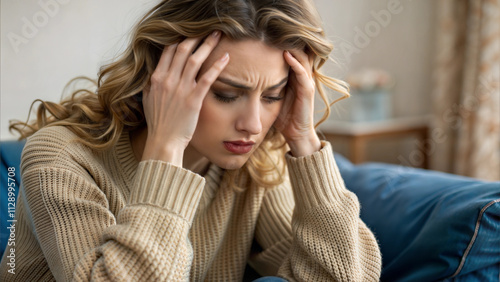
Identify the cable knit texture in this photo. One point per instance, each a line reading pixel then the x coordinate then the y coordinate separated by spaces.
pixel 85 215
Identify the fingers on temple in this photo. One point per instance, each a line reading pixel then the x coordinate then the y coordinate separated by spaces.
pixel 299 61
pixel 209 77
pixel 302 57
pixel 196 60
pixel 182 53
pixel 166 58
pixel 297 66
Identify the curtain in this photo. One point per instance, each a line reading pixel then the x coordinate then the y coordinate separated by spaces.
pixel 466 95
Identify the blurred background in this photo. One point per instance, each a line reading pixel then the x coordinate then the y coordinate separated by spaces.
pixel 424 74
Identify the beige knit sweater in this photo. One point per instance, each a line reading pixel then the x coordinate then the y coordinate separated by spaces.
pixel 86 215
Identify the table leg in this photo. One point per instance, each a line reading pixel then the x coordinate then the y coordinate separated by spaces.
pixel 358 149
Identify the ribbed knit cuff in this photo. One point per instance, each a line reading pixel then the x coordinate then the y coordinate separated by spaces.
pixel 315 178
pixel 166 185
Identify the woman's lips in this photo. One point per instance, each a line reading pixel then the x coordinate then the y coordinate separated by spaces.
pixel 239 147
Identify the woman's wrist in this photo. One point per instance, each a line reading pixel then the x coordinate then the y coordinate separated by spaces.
pixel 163 151
pixel 305 147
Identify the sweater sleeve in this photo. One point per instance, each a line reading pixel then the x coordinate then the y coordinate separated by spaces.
pixel 82 240
pixel 312 231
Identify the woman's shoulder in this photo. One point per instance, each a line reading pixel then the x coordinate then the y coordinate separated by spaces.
pixel 59 134
pixel 52 145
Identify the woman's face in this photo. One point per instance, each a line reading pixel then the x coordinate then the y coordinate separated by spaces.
pixel 242 104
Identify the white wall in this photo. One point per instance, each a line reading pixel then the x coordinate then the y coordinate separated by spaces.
pixel 45 43
pixel 398 39
pixel 69 38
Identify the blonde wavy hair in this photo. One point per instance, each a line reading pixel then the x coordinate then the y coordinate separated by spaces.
pixel 99 118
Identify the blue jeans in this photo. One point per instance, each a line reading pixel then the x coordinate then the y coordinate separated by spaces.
pixel 270 279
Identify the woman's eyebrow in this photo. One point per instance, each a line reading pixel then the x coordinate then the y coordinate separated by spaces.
pixel 283 81
pixel 245 87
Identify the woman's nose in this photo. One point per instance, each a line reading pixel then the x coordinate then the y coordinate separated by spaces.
pixel 249 118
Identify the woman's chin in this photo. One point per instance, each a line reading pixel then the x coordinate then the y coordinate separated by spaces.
pixel 232 163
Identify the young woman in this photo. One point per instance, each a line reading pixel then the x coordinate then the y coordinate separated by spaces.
pixel 197 156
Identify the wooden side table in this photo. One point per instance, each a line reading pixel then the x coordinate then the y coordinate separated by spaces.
pixel 360 133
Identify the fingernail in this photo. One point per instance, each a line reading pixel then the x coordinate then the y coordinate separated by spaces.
pixel 216 33
pixel 225 57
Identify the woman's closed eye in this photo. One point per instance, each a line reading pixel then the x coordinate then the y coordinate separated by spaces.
pixel 228 98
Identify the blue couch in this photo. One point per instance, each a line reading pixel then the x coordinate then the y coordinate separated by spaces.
pixel 430 225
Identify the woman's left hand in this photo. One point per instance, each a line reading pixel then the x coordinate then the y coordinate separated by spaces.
pixel 296 119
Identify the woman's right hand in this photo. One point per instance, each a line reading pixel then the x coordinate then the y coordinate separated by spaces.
pixel 173 100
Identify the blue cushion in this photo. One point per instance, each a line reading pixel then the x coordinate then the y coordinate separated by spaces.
pixel 430 225
pixel 10 155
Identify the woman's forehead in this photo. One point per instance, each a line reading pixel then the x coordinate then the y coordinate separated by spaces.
pixel 250 60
